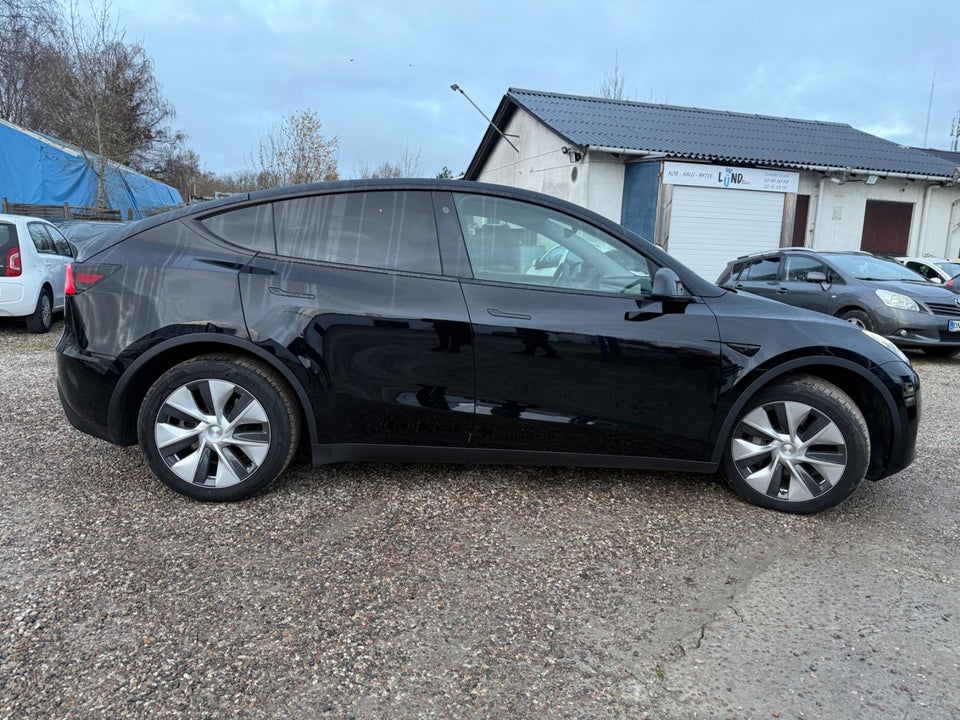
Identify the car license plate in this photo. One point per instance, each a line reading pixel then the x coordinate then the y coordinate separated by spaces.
pixel 953 325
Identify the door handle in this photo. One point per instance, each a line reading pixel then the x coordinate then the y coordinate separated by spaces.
pixel 512 316
pixel 782 291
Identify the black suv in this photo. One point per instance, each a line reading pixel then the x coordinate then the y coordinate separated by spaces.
pixel 875 293
pixel 398 320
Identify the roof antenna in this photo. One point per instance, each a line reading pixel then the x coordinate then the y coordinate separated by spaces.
pixel 457 88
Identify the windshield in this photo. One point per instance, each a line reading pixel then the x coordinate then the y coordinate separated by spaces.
pixel 868 267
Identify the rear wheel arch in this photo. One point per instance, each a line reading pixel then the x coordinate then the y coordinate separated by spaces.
pixel 41 319
pixel 146 369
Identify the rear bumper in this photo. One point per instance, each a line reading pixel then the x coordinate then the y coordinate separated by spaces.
pixel 85 387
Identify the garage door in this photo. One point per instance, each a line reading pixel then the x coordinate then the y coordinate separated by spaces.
pixel 709 227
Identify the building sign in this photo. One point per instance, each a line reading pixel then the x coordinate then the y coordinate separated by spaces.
pixel 732 178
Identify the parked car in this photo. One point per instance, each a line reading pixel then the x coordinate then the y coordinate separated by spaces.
pixel 872 292
pixel 934 269
pixel 80 232
pixel 35 256
pixel 394 320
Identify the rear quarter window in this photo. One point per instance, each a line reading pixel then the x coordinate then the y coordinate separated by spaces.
pixel 249 227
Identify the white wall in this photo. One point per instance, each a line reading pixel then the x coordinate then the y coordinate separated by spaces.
pixel 595 182
pixel 844 207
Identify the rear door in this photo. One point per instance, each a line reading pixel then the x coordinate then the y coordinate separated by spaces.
pixel 760 276
pixel 353 294
pixel 584 361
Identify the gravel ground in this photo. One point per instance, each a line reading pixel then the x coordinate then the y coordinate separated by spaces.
pixel 404 591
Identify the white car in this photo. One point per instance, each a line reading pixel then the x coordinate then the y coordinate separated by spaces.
pixel 934 269
pixel 34 256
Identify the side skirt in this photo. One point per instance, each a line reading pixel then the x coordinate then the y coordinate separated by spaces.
pixel 322 454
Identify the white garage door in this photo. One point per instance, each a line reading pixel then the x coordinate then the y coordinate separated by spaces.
pixel 709 227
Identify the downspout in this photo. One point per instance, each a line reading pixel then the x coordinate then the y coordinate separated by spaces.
pixel 951 227
pixel 915 247
pixel 816 222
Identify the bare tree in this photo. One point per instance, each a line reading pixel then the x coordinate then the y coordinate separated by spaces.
pixel 297 151
pixel 27 32
pixel 613 84
pixel 101 95
pixel 407 166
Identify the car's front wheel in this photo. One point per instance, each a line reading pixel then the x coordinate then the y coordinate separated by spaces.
pixel 218 427
pixel 858 318
pixel 799 446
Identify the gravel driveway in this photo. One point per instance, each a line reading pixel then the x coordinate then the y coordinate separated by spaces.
pixel 404 591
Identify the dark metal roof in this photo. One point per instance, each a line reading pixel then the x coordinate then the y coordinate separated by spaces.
pixel 695 134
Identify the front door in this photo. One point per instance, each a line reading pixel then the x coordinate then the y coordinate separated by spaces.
pixel 582 361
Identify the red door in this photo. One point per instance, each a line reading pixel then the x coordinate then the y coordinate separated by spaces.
pixel 886 227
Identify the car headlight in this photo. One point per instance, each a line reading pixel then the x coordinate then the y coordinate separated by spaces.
pixel 896 300
pixel 887 344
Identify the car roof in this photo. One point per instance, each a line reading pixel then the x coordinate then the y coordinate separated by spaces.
pixel 792 250
pixel 925 258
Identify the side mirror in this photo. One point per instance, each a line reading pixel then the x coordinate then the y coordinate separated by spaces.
pixel 936 279
pixel 816 276
pixel 667 286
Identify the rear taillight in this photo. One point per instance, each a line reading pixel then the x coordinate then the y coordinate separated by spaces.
pixel 83 276
pixel 11 263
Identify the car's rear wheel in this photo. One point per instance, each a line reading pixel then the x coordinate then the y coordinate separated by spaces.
pixel 858 318
pixel 800 446
pixel 41 319
pixel 218 427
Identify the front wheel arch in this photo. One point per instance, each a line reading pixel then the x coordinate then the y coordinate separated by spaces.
pixel 870 395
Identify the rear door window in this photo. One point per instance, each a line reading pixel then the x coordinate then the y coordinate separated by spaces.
pixel 391 230
pixel 762 269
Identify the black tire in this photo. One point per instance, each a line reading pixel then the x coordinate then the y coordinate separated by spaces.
pixel 190 433
pixel 770 458
pixel 41 319
pixel 941 352
pixel 858 318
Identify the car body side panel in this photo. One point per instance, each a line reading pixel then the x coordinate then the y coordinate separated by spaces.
pixel 387 355
pixel 581 372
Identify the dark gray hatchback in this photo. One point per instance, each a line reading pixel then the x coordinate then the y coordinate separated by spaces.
pixel 872 292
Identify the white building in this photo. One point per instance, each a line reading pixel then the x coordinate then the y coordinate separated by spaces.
pixel 709 186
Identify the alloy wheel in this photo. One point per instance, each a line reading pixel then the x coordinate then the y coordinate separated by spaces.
pixel 212 433
pixel 789 450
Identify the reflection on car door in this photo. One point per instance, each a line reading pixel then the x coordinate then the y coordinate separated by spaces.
pixel 397 371
pixel 578 372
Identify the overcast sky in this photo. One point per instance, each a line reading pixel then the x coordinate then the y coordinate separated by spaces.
pixel 378 72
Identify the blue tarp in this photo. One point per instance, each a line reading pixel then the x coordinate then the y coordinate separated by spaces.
pixel 40 170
